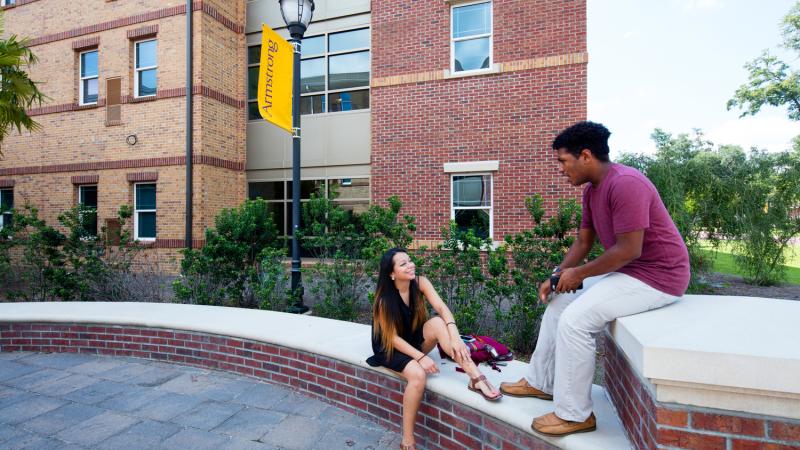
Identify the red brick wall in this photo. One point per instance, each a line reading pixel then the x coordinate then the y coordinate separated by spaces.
pixel 411 36
pixel 511 116
pixel 650 424
pixel 376 396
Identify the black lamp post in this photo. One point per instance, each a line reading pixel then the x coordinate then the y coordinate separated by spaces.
pixel 297 15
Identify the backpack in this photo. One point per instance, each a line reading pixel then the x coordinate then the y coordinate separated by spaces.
pixel 483 349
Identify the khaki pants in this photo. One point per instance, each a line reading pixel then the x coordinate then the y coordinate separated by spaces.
pixel 564 360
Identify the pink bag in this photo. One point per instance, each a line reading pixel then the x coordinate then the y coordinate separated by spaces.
pixel 483 349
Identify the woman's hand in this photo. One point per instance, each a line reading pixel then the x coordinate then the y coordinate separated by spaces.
pixel 460 350
pixel 428 365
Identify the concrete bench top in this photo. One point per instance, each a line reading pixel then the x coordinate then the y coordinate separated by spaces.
pixel 345 341
pixel 736 353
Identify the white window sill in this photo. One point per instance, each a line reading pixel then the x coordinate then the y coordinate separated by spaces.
pixel 472 166
pixel 495 68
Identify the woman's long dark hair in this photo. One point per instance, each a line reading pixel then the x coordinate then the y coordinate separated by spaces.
pixel 387 320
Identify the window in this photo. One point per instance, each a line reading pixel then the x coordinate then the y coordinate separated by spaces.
pixel 472 203
pixel 146 69
pixel 87 197
pixel 7 2
pixel 471 37
pixel 334 70
pixel 144 219
pixel 6 205
pixel 352 194
pixel 88 70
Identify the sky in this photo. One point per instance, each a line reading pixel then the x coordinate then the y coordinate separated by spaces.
pixel 673 64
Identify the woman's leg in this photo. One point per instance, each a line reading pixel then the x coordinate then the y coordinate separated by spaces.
pixel 435 331
pixel 412 397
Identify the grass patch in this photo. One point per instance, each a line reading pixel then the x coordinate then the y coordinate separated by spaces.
pixel 725 261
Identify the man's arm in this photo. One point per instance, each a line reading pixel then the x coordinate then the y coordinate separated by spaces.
pixel 627 248
pixel 579 249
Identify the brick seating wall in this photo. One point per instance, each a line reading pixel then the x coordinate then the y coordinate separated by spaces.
pixel 653 425
pixel 370 394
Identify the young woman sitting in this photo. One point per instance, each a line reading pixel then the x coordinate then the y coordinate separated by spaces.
pixel 402 335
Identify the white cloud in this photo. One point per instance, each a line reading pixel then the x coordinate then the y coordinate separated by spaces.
pixel 631 35
pixel 772 133
pixel 702 5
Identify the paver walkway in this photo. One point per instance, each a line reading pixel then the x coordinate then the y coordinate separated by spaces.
pixel 70 401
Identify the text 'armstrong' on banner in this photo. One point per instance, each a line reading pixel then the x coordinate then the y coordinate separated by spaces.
pixel 275 79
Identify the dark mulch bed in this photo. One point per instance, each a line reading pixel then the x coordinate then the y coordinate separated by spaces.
pixel 720 284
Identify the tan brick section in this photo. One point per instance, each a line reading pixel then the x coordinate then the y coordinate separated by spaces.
pixel 513 66
pixel 76 146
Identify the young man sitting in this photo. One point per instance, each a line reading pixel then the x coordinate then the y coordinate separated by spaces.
pixel 645 266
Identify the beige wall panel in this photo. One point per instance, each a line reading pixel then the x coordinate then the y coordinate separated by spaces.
pixel 328 139
pixel 347 138
pixel 266 146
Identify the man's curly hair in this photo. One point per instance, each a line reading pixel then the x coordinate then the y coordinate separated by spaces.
pixel 590 135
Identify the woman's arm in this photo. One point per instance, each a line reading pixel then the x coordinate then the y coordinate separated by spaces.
pixel 459 350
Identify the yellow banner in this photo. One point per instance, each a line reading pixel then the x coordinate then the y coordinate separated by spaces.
pixel 275 79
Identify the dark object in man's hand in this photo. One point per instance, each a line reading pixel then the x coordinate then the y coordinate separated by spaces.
pixel 554 282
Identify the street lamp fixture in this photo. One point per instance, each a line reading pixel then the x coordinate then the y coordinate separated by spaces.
pixel 297 15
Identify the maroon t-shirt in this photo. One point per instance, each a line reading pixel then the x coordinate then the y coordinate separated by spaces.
pixel 627 201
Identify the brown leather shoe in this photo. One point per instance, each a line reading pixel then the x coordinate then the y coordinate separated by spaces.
pixel 552 425
pixel 522 389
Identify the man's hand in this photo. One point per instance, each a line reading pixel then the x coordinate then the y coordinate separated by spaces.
pixel 569 280
pixel 544 291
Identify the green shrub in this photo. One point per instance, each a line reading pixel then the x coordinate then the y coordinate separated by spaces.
pixel 56 266
pixel 348 247
pixel 239 266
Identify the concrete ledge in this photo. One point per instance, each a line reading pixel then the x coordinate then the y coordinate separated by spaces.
pixel 737 353
pixel 708 372
pixel 320 357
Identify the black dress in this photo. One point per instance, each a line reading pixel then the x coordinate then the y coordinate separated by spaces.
pixel 399 360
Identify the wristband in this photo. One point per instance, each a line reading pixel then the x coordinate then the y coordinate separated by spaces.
pixel 420 358
pixel 450 323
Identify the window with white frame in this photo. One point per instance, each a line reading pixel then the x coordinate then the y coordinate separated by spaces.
pixel 145 69
pixel 87 197
pixel 471 206
pixel 334 70
pixel 471 37
pixel 6 205
pixel 144 218
pixel 8 2
pixel 88 84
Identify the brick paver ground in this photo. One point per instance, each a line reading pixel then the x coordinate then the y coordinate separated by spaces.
pixel 70 402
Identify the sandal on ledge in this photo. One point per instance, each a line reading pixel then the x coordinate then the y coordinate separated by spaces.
pixel 408 446
pixel 482 378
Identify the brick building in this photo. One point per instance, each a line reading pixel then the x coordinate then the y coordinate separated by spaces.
pixel 449 104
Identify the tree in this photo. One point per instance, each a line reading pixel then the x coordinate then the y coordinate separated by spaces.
pixel 771 80
pixel 17 91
